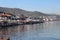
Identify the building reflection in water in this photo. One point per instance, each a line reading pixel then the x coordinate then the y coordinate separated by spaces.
pixel 20 31
pixel 23 32
pixel 5 33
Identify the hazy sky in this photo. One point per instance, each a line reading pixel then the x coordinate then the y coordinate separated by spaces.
pixel 46 6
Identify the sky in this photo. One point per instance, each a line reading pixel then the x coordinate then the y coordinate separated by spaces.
pixel 45 6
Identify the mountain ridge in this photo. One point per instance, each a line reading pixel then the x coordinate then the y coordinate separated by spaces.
pixel 18 11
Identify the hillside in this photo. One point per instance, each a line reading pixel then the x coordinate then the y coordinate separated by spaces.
pixel 17 11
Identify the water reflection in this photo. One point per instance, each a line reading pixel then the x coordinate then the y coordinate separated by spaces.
pixel 47 31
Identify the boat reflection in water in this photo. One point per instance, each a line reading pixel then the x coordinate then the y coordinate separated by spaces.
pixel 42 31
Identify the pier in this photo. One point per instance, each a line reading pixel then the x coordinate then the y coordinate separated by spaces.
pixel 15 23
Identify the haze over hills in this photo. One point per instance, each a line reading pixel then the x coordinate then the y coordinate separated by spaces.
pixel 18 11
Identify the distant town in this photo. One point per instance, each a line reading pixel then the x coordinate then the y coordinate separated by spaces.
pixel 10 17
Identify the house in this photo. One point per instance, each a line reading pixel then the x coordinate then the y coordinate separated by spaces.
pixel 5 16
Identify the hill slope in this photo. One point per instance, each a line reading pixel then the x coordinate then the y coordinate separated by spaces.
pixel 18 11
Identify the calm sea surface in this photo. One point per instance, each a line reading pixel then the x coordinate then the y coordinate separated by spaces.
pixel 42 31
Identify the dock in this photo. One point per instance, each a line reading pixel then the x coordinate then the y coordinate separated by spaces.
pixel 16 23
